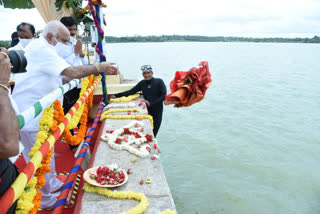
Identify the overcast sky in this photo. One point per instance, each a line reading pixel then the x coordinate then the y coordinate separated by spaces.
pixel 252 18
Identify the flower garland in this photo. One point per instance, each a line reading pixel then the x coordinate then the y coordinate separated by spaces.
pixel 24 204
pixel 121 117
pixel 125 138
pixel 129 110
pixel 86 8
pixel 76 140
pixel 120 105
pixel 140 208
pixel 36 183
pixel 125 99
pixel 168 212
pixel 73 123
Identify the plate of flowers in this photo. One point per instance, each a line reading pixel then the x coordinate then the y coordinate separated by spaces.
pixel 105 176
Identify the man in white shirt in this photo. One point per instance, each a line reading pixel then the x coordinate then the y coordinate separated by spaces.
pixel 45 72
pixel 75 57
pixel 26 33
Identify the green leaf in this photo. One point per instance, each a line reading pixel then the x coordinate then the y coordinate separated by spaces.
pixel 19 4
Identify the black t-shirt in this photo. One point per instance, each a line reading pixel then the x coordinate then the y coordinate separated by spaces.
pixel 153 90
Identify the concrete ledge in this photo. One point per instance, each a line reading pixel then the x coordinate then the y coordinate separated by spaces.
pixel 157 192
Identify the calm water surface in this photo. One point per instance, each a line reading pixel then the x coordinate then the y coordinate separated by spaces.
pixel 253 144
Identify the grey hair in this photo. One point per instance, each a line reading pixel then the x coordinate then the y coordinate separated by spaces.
pixel 52 27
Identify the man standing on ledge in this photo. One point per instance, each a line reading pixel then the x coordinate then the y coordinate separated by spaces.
pixel 154 92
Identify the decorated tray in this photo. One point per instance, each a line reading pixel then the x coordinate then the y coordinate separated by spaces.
pixel 105 176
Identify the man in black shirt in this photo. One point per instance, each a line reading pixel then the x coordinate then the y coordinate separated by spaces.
pixel 154 92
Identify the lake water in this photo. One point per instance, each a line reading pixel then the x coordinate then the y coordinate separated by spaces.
pixel 253 144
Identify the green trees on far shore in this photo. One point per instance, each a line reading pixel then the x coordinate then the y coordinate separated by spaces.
pixel 181 38
pixel 188 38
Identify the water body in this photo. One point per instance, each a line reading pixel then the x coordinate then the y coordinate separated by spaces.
pixel 253 144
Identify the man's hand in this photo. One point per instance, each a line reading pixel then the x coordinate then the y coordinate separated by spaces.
pixel 146 102
pixel 78 48
pixel 109 68
pixel 113 96
pixel 5 67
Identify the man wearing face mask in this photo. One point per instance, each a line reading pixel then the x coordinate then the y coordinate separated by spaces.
pixel 26 33
pixel 74 55
pixel 45 72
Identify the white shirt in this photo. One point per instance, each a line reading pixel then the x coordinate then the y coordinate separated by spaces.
pixel 42 77
pixel 17 47
pixel 74 60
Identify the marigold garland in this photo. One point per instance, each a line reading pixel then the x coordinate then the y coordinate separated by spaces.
pixel 30 202
pixel 124 99
pixel 73 123
pixel 140 208
pixel 24 204
pixel 76 140
pixel 121 117
pixel 168 212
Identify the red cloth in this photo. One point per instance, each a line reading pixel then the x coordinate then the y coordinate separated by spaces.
pixel 189 87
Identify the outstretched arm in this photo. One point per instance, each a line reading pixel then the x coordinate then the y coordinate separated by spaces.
pixel 78 72
pixel 132 91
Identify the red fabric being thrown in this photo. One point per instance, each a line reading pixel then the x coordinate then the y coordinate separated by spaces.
pixel 189 87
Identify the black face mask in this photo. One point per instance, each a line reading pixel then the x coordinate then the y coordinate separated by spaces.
pixel 14 42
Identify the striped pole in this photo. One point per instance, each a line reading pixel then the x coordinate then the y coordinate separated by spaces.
pixel 44 102
pixel 100 33
pixel 17 188
pixel 104 88
pixel 95 11
pixel 75 169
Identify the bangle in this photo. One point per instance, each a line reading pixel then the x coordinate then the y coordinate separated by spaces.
pixel 98 67
pixel 5 54
pixel 5 87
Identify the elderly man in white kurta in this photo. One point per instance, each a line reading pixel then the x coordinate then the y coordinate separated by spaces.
pixel 45 72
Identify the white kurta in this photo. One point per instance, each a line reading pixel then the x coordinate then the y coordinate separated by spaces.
pixel 42 77
pixel 74 60
pixel 17 47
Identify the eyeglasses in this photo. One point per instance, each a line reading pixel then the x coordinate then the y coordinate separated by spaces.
pixel 146 67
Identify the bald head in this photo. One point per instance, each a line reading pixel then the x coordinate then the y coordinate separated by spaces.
pixel 55 32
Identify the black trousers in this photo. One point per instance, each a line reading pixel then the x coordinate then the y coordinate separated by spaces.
pixel 156 113
pixel 8 174
pixel 70 98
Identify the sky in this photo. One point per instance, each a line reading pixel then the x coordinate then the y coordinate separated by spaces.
pixel 243 18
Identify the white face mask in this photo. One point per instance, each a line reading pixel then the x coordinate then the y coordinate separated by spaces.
pixel 63 50
pixel 25 42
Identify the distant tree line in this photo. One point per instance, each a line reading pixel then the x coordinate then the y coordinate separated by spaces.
pixel 186 38
pixel 181 38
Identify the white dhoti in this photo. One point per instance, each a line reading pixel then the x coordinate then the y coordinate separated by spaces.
pixel 50 189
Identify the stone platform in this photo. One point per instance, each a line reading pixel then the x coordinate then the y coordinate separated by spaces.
pixel 158 192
